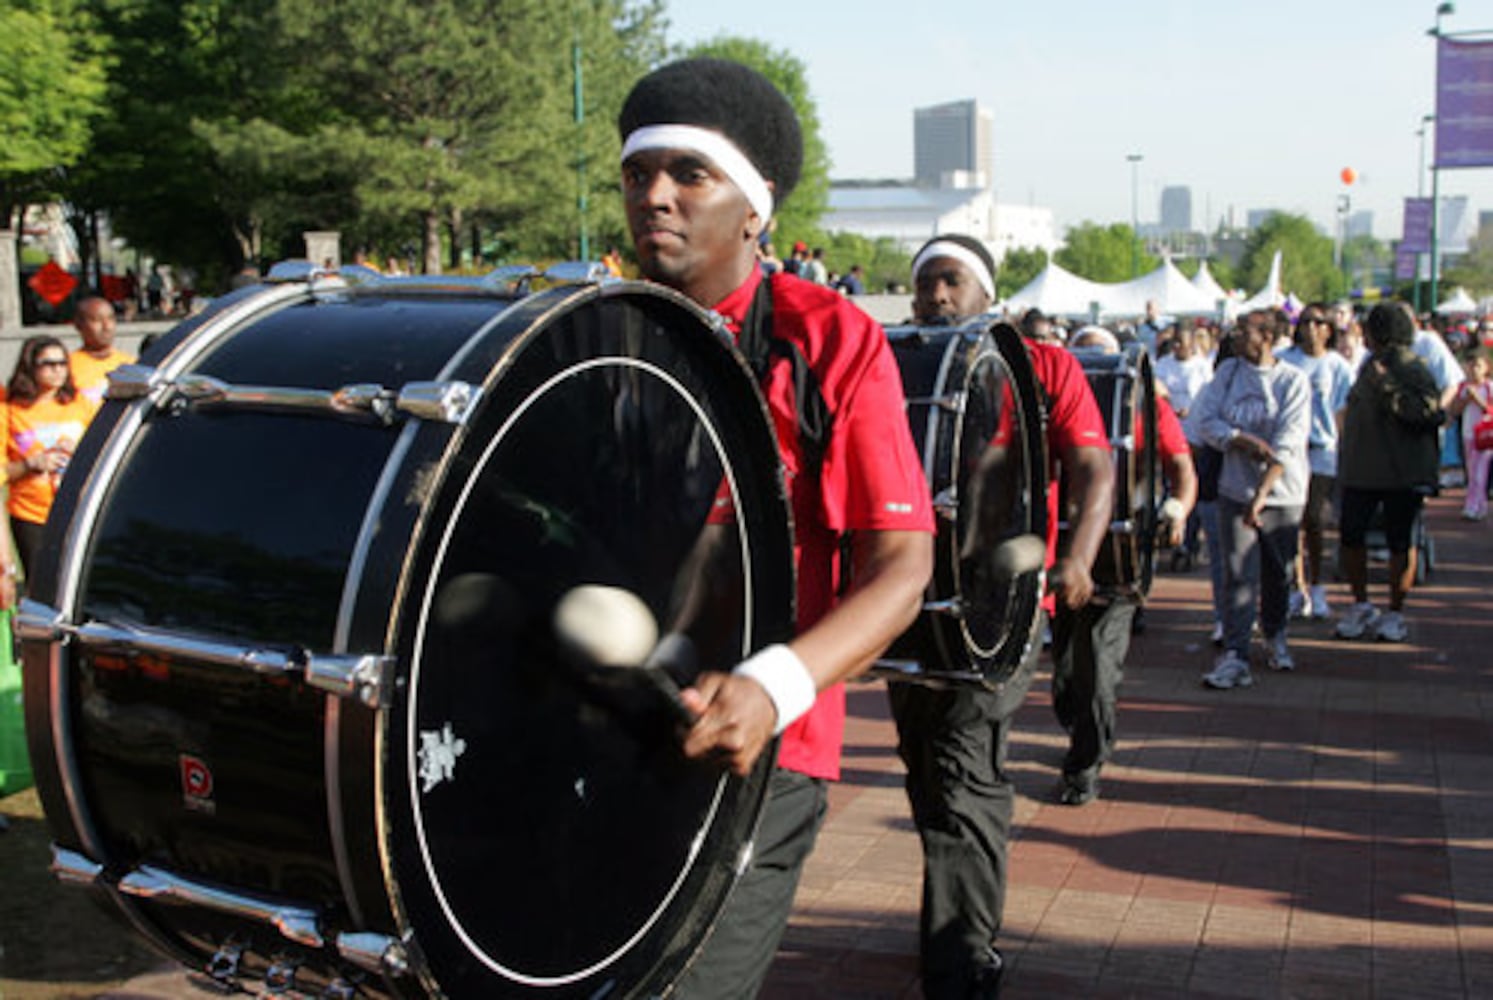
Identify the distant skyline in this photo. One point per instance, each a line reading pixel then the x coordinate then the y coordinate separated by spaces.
pixel 1251 106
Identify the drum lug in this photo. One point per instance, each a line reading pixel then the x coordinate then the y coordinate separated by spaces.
pixel 375 953
pixel 72 868
pixel 131 382
pixel 223 967
pixel 38 622
pixel 576 272
pixel 952 607
pixel 946 503
pixel 280 977
pixel 296 923
pixel 446 402
pixel 953 402
pixel 364 677
pixel 340 989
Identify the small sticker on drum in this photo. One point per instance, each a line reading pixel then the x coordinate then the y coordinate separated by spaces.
pixel 196 784
pixel 438 753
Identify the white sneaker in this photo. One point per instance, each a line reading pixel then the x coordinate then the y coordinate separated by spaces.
pixel 1231 670
pixel 1359 619
pixel 1278 654
pixel 1392 627
pixel 1298 606
pixel 1216 636
pixel 1320 608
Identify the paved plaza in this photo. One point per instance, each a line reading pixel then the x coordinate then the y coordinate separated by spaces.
pixel 1326 833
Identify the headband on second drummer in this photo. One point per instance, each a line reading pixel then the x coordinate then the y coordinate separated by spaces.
pixel 953 278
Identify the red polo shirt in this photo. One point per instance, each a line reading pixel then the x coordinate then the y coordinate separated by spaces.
pixel 1073 421
pixel 871 479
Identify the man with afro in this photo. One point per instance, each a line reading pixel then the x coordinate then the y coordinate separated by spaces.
pixel 709 149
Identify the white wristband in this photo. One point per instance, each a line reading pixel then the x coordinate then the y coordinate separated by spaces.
pixel 785 678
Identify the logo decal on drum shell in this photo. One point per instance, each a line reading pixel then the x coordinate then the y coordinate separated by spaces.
pixel 197 784
pixel 438 753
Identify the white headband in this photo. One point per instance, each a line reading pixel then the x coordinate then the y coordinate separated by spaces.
pixel 963 254
pixel 720 150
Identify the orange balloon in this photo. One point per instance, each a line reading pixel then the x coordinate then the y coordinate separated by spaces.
pixel 1349 175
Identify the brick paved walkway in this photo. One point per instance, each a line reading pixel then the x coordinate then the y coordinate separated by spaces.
pixel 1326 833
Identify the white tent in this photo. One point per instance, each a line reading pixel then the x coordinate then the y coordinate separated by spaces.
pixel 1058 292
pixel 1460 304
pixel 1168 287
pixel 1268 297
pixel 1204 282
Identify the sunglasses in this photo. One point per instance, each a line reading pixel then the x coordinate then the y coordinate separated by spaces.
pixel 52 363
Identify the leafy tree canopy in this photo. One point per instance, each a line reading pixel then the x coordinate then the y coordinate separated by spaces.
pixel 52 84
pixel 1018 268
pixel 1109 254
pixel 1306 258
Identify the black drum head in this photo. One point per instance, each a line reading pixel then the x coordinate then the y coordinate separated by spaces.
pixel 547 833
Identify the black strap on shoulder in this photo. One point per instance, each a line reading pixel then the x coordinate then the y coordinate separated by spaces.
pixel 760 345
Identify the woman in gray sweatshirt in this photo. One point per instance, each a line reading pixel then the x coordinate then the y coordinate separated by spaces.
pixel 1257 411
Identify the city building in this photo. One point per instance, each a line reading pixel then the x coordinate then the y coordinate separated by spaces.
pixel 912 215
pixel 1176 210
pixel 952 146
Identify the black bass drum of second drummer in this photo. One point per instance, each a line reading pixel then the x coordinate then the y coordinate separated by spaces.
pixel 975 411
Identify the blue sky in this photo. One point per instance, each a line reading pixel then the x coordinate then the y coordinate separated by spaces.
pixel 1253 105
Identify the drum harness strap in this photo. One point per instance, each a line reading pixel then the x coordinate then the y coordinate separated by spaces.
pixel 759 345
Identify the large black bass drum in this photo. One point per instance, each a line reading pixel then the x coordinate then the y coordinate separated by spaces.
pixel 1125 390
pixel 974 408
pixel 295 700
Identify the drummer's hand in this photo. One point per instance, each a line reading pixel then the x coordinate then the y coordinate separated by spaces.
pixel 734 720
pixel 1072 582
pixel 7 593
pixel 1176 533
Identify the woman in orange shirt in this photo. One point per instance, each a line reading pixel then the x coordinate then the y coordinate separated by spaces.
pixel 45 419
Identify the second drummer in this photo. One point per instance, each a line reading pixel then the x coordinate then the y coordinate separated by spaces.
pixel 709 148
pixel 965 823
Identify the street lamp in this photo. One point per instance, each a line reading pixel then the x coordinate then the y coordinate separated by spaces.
pixel 1442 10
pixel 1420 191
pixel 1134 160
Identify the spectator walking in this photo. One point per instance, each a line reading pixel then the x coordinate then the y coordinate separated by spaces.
pixel 1257 411
pixel 1330 378
pixel 1473 401
pixel 1389 462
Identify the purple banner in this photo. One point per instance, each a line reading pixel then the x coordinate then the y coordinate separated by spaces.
pixel 1416 236
pixel 1405 261
pixel 1464 104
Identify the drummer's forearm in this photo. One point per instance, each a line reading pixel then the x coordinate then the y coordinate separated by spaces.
pixel 1091 476
pixel 891 572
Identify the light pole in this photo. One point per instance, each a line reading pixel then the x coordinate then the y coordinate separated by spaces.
pixel 1134 160
pixel 1420 191
pixel 1442 10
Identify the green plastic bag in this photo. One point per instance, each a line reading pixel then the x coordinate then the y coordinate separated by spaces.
pixel 15 765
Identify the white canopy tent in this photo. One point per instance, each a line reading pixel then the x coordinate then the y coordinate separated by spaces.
pixel 1059 292
pixel 1268 297
pixel 1460 304
pixel 1204 282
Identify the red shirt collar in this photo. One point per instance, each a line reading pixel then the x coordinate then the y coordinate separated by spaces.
pixel 733 308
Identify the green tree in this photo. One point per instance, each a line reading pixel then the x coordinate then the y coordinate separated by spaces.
pixel 1474 270
pixel 1105 253
pixel 52 84
pixel 885 263
pixel 1018 268
pixel 798 216
pixel 1306 258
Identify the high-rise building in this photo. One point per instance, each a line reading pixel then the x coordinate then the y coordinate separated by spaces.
pixel 1176 210
pixel 952 146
